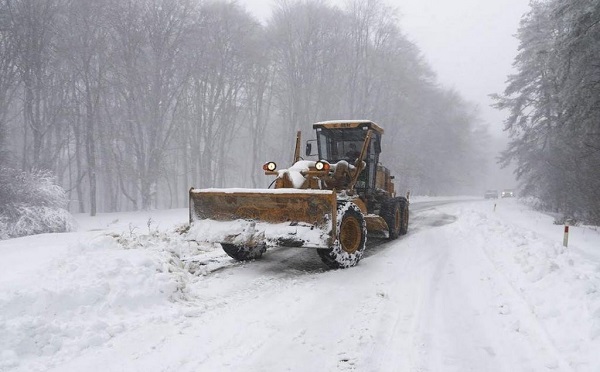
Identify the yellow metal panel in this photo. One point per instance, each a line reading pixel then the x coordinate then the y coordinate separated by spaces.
pixel 360 204
pixel 376 224
pixel 312 208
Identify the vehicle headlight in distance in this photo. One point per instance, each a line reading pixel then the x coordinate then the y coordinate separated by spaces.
pixel 321 165
pixel 270 166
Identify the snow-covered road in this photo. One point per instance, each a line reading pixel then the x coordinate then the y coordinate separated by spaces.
pixel 469 288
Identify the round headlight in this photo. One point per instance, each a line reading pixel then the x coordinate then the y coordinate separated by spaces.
pixel 322 165
pixel 270 166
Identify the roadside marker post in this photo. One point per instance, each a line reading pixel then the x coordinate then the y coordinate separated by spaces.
pixel 566 236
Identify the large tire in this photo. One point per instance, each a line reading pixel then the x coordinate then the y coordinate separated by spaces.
pixel 392 214
pixel 404 215
pixel 350 240
pixel 243 253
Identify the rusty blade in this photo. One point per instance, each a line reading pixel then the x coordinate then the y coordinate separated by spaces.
pixel 315 207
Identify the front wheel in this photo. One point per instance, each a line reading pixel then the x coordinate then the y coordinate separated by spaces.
pixel 351 238
pixel 243 253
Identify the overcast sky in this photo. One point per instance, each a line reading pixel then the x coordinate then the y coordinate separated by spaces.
pixel 470 44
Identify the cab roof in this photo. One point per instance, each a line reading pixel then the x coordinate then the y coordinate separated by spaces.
pixel 341 124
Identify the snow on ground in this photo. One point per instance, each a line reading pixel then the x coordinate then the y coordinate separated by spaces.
pixel 470 288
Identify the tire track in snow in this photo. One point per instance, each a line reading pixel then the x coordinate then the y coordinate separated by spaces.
pixel 442 297
pixel 512 312
pixel 526 309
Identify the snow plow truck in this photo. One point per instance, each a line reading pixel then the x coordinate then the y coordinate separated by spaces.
pixel 331 204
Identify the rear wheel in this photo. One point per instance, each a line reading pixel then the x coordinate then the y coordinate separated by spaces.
pixel 351 238
pixel 243 253
pixel 404 216
pixel 392 215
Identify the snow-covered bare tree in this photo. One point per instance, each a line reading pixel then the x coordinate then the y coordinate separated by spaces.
pixel 150 37
pixel 258 93
pixel 222 53
pixel 8 76
pixel 31 203
pixel 35 34
pixel 307 40
pixel 84 47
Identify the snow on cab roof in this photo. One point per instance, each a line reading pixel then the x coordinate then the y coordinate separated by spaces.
pixel 359 121
pixel 333 124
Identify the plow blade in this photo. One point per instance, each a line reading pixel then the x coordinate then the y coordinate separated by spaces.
pixel 288 217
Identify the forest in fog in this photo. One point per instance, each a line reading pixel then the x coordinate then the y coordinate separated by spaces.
pixel 129 103
pixel 126 104
pixel 554 104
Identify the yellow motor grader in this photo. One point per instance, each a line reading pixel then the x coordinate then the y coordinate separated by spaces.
pixel 331 204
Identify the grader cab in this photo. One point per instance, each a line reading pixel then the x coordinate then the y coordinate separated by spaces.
pixel 331 204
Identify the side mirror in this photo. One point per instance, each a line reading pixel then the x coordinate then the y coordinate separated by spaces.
pixel 308 149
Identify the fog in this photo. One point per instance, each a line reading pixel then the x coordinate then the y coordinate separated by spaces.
pixel 470 45
pixel 129 104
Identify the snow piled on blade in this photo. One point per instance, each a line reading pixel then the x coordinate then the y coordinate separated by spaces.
pixel 243 232
pixel 262 191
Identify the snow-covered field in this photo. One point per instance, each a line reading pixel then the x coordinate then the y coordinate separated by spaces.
pixel 469 288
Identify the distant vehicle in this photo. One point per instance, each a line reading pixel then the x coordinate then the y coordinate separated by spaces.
pixel 508 193
pixel 491 194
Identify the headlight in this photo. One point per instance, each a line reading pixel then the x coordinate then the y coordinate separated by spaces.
pixel 270 166
pixel 320 165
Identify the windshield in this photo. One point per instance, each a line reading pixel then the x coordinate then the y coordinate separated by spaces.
pixel 335 145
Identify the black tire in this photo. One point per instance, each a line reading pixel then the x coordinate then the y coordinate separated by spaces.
pixel 243 253
pixel 392 214
pixel 404 215
pixel 351 238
